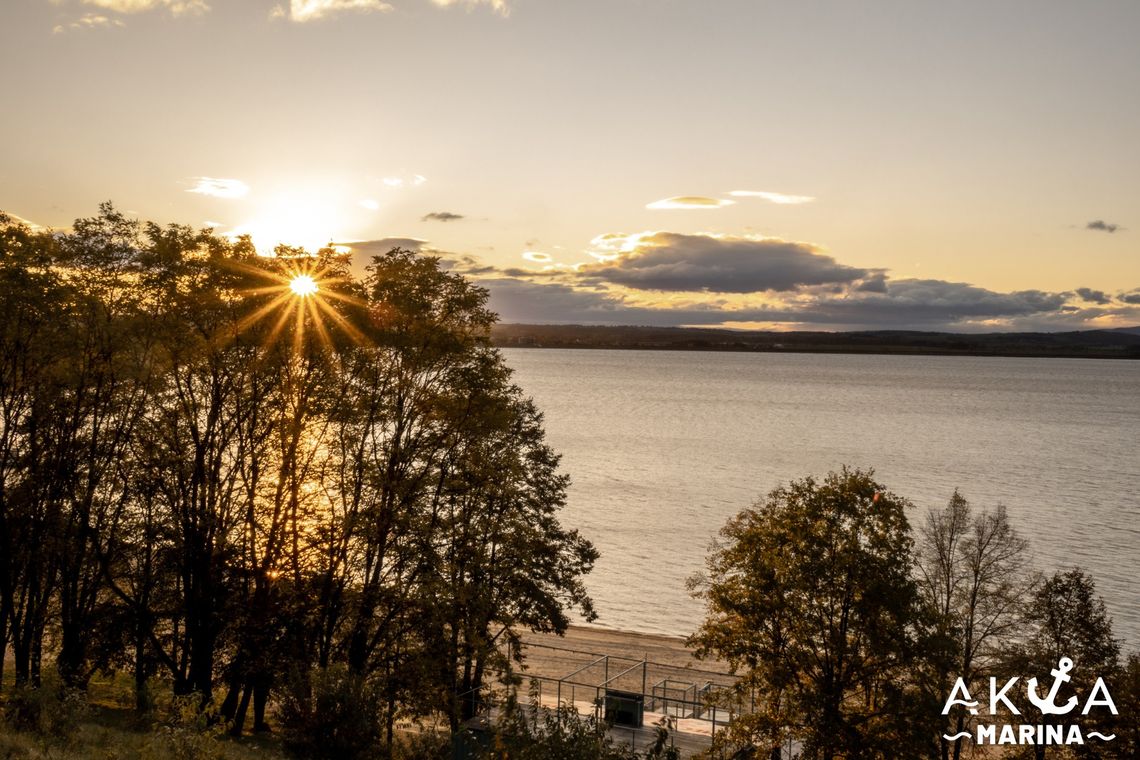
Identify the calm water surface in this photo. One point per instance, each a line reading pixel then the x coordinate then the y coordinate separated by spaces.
pixel 663 447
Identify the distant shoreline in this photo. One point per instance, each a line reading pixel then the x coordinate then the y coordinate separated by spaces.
pixel 841 351
pixel 1089 344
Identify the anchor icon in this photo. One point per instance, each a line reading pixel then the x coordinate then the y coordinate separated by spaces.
pixel 1048 705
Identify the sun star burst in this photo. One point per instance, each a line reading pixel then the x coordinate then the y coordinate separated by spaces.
pixel 303 295
pixel 303 285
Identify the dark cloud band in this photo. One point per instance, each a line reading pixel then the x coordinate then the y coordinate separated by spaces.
pixel 441 216
pixel 1102 226
pixel 673 262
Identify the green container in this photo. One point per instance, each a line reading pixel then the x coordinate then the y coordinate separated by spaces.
pixel 625 708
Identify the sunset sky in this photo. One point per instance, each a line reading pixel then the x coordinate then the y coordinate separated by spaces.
pixel 790 165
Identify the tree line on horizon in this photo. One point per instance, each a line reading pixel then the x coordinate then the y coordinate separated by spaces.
pixel 1113 343
pixel 211 480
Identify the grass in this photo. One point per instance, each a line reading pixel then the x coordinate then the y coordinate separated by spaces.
pixel 105 726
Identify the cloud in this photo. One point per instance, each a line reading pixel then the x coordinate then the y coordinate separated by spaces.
pixel 876 283
pixel 361 252
pixel 396 181
pixel 441 216
pixel 935 303
pixel 1094 296
pixel 219 188
pixel 88 21
pixel 672 261
pixel 21 220
pixel 370 248
pixel 370 204
pixel 674 279
pixel 176 7
pixel 301 11
pixel 464 264
pixel 909 304
pixel 780 198
pixel 689 202
pixel 1102 226
pixel 498 6
pixel 557 303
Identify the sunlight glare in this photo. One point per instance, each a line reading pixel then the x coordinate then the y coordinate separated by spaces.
pixel 308 218
pixel 303 285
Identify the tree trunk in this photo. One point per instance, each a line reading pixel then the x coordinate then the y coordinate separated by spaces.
pixel 37 654
pixel 957 742
pixel 202 667
pixel 27 630
pixel 27 646
pixel 142 695
pixel 72 659
pixel 230 703
pixel 21 654
pixel 242 708
pixel 261 686
pixel 3 642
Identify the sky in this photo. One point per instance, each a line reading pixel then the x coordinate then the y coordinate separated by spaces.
pixel 960 166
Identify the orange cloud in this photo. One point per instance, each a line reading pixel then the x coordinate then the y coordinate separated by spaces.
pixel 689 201
pixel 301 11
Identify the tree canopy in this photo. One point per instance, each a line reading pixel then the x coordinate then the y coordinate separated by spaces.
pixel 208 474
pixel 811 599
pixel 973 571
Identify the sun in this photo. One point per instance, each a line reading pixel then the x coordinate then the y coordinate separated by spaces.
pixel 303 285
pixel 297 296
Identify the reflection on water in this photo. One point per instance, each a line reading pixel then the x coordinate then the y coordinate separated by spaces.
pixel 663 447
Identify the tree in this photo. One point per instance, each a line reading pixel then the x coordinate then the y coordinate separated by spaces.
pixel 207 474
pixel 112 369
pixel 1126 692
pixel 31 353
pixel 811 599
pixel 1068 619
pixel 440 539
pixel 973 573
pixel 505 564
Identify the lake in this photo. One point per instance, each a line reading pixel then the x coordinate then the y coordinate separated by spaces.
pixel 664 446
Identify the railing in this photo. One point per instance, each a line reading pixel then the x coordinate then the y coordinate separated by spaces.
pixel 711 704
pixel 697 710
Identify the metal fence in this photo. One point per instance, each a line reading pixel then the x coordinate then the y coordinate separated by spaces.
pixel 628 698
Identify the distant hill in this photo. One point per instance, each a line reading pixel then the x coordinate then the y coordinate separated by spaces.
pixel 1121 343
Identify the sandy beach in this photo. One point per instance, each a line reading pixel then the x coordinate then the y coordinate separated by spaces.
pixel 551 655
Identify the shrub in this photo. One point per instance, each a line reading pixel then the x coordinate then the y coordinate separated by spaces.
pixel 15 746
pixel 424 745
pixel 534 732
pixel 47 712
pixel 331 714
pixel 187 732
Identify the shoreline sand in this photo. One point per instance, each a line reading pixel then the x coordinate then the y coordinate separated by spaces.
pixel 554 656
